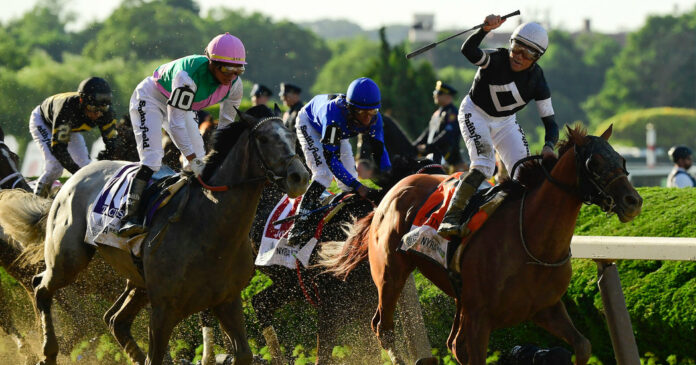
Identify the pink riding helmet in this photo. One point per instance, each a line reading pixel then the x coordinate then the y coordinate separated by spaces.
pixel 226 48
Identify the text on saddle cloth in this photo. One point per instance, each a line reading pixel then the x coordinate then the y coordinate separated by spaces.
pixel 274 249
pixel 106 211
pixel 422 238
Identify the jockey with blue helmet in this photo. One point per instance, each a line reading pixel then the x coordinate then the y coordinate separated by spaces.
pixel 169 99
pixel 323 127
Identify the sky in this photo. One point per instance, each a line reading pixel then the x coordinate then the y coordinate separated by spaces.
pixel 607 16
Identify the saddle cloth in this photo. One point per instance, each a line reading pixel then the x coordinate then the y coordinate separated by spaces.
pixel 422 238
pixel 105 213
pixel 274 248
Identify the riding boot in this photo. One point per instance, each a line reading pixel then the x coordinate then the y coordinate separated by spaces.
pixel 43 189
pixel 452 222
pixel 305 225
pixel 133 223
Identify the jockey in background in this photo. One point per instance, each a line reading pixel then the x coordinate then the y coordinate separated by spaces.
pixel 169 98
pixel 323 128
pixel 505 82
pixel 53 122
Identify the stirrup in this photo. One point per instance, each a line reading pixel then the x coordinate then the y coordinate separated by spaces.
pixel 130 229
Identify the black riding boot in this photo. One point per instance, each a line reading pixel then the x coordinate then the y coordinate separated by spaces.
pixel 133 222
pixel 452 222
pixel 305 226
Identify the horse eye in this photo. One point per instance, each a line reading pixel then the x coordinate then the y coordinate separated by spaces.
pixel 263 139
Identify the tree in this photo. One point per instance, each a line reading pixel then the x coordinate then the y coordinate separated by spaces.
pixel 43 27
pixel 152 30
pixel 276 52
pixel 348 63
pixel 656 68
pixel 406 88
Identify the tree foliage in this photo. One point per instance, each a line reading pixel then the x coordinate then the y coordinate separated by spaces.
pixel 672 126
pixel 406 87
pixel 655 68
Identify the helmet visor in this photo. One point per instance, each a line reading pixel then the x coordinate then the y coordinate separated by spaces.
pixel 230 69
pixel 526 52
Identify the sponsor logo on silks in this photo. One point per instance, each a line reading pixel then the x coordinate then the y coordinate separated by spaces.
pixel 45 137
pixel 524 138
pixel 143 128
pixel 310 145
pixel 472 133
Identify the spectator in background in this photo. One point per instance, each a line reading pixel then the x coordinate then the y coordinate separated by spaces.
pixel 290 96
pixel 678 177
pixel 440 139
pixel 260 94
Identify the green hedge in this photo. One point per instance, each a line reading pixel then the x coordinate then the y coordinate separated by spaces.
pixel 673 126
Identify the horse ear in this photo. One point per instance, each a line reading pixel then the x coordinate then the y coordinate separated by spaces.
pixel 607 133
pixel 244 117
pixel 276 110
pixel 575 135
pixel 2 134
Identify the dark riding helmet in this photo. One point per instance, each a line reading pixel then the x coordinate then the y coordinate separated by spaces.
pixel 677 152
pixel 95 91
pixel 363 93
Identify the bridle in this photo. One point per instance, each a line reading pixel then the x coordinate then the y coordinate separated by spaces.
pixel 14 178
pixel 591 186
pixel 268 174
pixel 593 193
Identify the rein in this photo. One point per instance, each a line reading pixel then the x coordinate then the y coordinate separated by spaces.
pixel 268 173
pixel 536 261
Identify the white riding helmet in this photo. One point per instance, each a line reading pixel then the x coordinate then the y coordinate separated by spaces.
pixel 532 35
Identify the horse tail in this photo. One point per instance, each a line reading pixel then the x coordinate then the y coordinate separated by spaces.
pixel 340 258
pixel 23 219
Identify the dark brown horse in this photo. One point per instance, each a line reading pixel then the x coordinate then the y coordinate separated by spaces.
pixel 516 267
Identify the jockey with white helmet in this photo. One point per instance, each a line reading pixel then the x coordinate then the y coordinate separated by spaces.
pixel 170 98
pixel 323 127
pixel 506 80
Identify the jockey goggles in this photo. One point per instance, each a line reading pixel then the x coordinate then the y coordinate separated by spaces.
pixel 370 112
pixel 231 69
pixel 526 52
pixel 96 108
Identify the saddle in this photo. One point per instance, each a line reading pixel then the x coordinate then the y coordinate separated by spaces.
pixel 423 237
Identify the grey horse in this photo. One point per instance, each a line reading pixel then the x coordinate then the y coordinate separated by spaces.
pixel 201 236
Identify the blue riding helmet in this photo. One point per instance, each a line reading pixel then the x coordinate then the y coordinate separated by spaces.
pixel 363 93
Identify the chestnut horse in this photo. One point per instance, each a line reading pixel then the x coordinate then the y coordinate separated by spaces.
pixel 516 267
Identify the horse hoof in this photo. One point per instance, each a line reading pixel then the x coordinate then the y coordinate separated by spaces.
pixel 427 361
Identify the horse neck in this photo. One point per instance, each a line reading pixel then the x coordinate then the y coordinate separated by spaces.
pixel 550 212
pixel 238 171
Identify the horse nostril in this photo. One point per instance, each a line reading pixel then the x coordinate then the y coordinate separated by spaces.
pixel 295 178
pixel 631 200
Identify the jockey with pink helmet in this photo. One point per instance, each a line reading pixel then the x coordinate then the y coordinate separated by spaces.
pixel 169 99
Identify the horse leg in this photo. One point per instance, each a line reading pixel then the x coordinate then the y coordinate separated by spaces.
pixel 162 322
pixel 231 319
pixel 207 323
pixel 473 336
pixel 388 287
pixel 65 258
pixel 265 304
pixel 8 325
pixel 131 301
pixel 455 327
pixel 555 319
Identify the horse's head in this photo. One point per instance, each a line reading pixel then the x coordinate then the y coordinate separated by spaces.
pixel 275 146
pixel 403 166
pixel 10 177
pixel 602 175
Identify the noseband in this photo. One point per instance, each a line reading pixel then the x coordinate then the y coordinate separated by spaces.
pixel 13 178
pixel 268 172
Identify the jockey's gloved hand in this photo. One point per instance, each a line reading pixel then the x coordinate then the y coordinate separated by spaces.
pixel 197 165
pixel 367 193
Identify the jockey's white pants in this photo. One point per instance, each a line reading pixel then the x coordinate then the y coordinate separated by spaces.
pixel 310 140
pixel 148 112
pixel 484 135
pixel 41 132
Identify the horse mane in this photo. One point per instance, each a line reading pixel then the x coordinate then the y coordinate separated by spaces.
pixel 531 174
pixel 226 138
